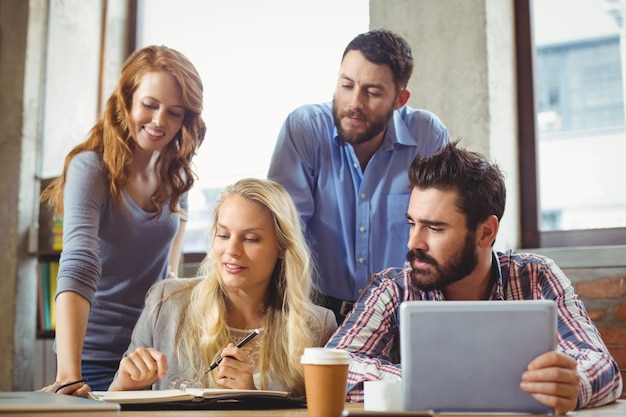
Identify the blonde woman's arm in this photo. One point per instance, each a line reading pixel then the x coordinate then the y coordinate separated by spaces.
pixel 329 326
pixel 139 370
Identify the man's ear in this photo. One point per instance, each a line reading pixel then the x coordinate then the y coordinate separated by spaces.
pixel 403 98
pixel 487 232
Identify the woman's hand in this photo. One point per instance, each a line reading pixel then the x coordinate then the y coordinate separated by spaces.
pixel 74 387
pixel 140 369
pixel 235 370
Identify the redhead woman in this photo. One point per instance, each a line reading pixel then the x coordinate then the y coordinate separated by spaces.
pixel 122 196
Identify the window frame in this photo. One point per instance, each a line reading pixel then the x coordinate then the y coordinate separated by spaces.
pixel 531 235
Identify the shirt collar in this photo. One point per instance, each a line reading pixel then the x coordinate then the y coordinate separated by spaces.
pixel 497 293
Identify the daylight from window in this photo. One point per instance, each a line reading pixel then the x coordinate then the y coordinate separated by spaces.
pixel 258 60
pixel 580 113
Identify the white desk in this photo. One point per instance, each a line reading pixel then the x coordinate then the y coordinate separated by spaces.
pixel 617 409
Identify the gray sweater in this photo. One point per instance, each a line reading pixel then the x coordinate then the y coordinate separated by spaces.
pixel 159 325
pixel 110 257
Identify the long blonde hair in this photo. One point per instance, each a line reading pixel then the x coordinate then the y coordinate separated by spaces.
pixel 111 138
pixel 291 320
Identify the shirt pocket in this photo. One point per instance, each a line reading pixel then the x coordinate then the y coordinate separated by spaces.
pixel 397 225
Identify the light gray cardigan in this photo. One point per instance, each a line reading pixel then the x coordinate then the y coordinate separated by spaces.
pixel 159 324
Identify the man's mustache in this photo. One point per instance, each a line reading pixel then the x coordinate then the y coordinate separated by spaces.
pixel 421 256
pixel 353 113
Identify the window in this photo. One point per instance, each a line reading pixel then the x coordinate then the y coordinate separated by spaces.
pixel 258 60
pixel 571 112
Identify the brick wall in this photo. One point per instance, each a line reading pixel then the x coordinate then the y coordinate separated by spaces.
pixel 605 300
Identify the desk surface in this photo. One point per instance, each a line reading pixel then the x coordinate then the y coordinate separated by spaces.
pixel 617 409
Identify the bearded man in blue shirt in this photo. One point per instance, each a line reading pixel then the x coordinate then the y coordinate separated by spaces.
pixel 344 164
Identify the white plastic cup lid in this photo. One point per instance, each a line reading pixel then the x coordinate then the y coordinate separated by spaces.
pixel 325 356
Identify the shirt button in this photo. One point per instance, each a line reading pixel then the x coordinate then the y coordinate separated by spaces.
pixel 361 260
pixel 355 165
pixel 363 195
pixel 362 229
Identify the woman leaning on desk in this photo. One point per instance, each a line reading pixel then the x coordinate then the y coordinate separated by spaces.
pixel 123 198
pixel 257 274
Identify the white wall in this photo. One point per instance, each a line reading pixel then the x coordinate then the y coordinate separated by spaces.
pixel 465 73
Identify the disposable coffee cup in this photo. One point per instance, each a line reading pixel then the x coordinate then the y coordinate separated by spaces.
pixel 325 380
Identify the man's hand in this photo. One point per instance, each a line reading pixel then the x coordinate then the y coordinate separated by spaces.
pixel 140 369
pixel 552 380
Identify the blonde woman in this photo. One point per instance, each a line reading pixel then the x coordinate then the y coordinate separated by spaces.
pixel 256 275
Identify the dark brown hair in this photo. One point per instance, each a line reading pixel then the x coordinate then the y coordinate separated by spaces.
pixel 479 183
pixel 383 47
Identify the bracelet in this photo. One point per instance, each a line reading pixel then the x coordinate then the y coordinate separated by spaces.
pixel 59 388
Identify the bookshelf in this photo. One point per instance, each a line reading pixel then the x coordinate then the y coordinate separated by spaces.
pixel 50 233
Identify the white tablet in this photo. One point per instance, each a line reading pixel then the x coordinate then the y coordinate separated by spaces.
pixel 469 356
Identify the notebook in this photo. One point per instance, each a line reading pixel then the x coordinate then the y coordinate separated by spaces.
pixel 469 356
pixel 200 399
pixel 45 404
pixel 189 394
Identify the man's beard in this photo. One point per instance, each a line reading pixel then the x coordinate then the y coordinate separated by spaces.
pixel 373 126
pixel 450 272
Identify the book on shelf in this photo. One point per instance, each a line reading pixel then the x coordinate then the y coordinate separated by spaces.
pixel 50 239
pixel 188 394
pixel 46 291
pixel 48 250
pixel 57 234
pixel 52 287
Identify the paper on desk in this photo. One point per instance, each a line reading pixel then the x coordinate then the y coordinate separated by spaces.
pixel 189 394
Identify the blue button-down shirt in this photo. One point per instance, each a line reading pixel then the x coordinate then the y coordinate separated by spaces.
pixel 355 220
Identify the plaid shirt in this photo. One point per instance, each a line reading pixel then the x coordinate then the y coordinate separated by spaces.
pixel 371 331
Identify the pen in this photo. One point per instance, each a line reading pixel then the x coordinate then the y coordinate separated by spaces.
pixel 239 345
